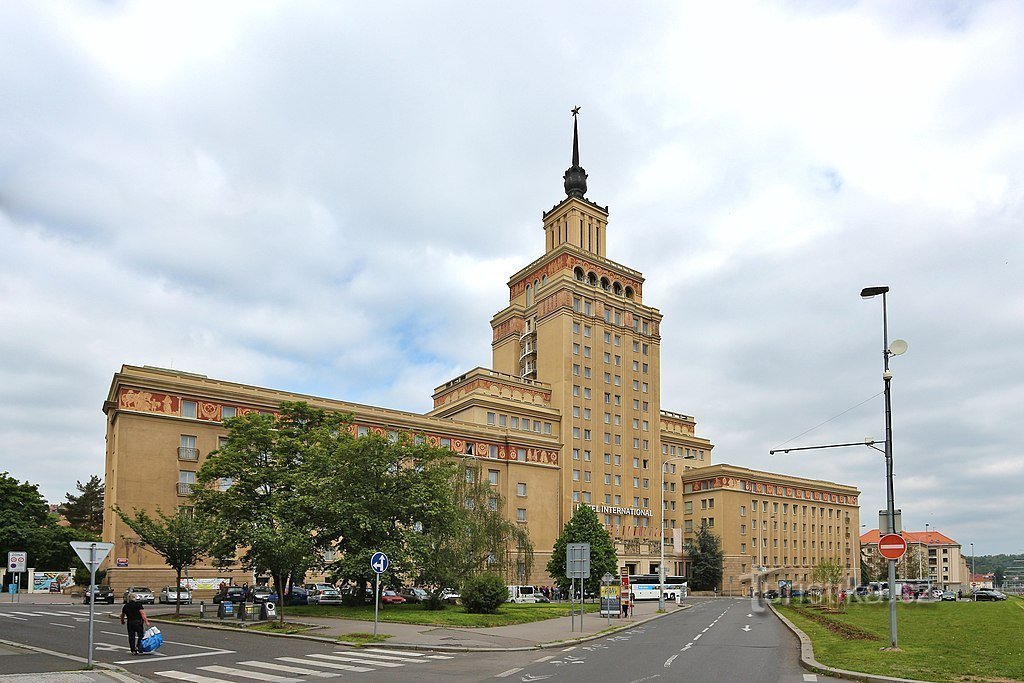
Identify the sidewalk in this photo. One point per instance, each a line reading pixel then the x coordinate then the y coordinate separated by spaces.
pixel 534 635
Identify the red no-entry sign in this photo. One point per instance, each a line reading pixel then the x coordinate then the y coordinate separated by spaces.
pixel 892 546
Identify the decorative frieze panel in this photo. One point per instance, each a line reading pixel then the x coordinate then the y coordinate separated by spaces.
pixel 567 262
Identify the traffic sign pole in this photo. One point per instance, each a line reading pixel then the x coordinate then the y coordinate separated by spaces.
pixel 92 597
pixel 379 565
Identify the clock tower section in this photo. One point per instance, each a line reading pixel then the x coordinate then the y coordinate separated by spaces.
pixel 577 322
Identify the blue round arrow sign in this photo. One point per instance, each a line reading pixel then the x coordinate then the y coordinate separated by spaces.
pixel 379 562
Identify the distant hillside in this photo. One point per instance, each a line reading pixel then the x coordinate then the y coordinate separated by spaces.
pixel 994 564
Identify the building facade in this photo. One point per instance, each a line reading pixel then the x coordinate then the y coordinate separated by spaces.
pixel 930 555
pixel 569 414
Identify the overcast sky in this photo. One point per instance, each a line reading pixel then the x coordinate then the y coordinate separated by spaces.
pixel 329 198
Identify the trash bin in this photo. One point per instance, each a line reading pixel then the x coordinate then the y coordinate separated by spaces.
pixel 268 610
pixel 225 610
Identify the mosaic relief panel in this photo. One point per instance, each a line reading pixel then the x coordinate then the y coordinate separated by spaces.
pixel 149 402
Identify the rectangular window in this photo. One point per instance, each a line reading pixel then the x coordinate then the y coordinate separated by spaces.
pixel 186 480
pixel 515 423
pixel 575 454
pixel 188 408
pixel 618 480
pixel 502 420
pixel 575 349
pixel 586 352
pixel 491 418
pixel 586 475
pixel 576 369
pixel 492 477
pixel 586 330
pixel 520 514
pixel 575 391
pixel 227 412
pixel 607 458
pixel 187 448
pixel 492 504
pixel 521 490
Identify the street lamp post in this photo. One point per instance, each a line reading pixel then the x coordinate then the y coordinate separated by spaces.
pixel 972 573
pixel 898 347
pixel 661 562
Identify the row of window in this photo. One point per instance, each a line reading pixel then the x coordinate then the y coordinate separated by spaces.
pixel 609 358
pixel 612 316
pixel 691 453
pixel 800 510
pixel 515 422
pixel 613 286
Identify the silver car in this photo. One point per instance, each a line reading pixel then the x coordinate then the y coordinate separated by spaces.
pixel 170 595
pixel 139 594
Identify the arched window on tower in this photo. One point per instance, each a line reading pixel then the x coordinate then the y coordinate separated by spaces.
pixel 529 295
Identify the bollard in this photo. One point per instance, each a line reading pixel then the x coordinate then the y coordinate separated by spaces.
pixel 241 611
pixel 202 609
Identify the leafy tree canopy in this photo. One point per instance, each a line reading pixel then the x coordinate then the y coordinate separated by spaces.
pixel 182 540
pixel 584 527
pixel 706 560
pixel 85 511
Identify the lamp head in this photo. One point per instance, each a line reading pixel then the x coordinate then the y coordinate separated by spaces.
pixel 869 292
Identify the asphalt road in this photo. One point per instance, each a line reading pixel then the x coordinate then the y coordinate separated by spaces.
pixel 716 641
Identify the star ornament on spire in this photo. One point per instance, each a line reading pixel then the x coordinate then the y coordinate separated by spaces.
pixel 575 112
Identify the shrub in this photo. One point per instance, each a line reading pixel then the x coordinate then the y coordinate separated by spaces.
pixel 484 593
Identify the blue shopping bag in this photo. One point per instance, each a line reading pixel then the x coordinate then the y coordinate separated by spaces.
pixel 151 639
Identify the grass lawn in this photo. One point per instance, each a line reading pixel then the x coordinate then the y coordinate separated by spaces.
pixel 941 641
pixel 453 615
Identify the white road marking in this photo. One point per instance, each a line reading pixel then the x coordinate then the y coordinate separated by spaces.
pixel 569 649
pixel 166 658
pixel 194 678
pixel 27 614
pixel 810 677
pixel 255 675
pixel 705 630
pixel 544 659
pixel 509 672
pixel 289 669
pixel 375 657
pixel 403 653
pixel 329 665
pixel 697 637
pixel 668 662
pixel 746 628
pixel 342 658
pixel 9 616
pixel 61 625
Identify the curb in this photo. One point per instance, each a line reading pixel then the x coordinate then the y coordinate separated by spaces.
pixel 808 661
pixel 114 672
pixel 418 646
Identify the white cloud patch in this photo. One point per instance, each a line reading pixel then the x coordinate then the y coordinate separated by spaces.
pixel 329 199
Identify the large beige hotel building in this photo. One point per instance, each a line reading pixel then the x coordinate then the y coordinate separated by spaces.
pixel 569 414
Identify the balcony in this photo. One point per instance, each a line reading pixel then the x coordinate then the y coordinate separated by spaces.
pixel 529 370
pixel 184 488
pixel 527 349
pixel 185 453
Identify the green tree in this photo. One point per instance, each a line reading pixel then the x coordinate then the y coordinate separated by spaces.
pixel 182 539
pixel 484 593
pixel 467 534
pixel 706 559
pixel 26 524
pixel 829 573
pixel 260 489
pixel 85 511
pixel 584 527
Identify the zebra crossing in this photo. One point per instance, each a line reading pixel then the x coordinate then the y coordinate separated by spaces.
pixel 314 666
pixel 22 615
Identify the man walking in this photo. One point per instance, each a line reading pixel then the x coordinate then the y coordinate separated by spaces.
pixel 135 615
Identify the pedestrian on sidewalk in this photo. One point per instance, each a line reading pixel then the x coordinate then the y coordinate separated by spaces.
pixel 135 615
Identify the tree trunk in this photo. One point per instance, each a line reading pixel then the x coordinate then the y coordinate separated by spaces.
pixel 279 580
pixel 177 593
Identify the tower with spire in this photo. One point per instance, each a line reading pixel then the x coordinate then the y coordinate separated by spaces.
pixel 576 323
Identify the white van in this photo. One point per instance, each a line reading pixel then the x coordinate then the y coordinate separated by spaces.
pixel 522 594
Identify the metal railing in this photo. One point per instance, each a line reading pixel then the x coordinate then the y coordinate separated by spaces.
pixel 184 488
pixel 185 453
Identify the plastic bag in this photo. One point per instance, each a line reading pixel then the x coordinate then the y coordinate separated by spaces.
pixel 151 639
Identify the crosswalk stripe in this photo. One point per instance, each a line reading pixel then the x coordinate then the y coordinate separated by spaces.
pixel 255 675
pixel 289 669
pixel 329 665
pixel 10 616
pixel 407 653
pixel 75 614
pixel 194 678
pixel 343 658
pixel 52 614
pixel 509 672
pixel 27 614
pixel 375 657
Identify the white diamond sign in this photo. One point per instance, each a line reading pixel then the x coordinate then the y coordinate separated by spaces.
pixel 89 558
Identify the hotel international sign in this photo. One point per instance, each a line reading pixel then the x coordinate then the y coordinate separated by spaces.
pixel 615 510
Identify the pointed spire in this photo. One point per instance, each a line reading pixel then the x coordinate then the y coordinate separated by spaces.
pixel 575 177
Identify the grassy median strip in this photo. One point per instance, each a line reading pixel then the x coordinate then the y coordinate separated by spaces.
pixel 454 615
pixel 951 642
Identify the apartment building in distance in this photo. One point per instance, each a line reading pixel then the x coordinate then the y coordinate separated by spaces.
pixel 945 565
pixel 568 414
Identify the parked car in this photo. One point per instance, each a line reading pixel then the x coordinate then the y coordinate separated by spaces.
pixel 141 593
pixel 319 586
pixel 771 594
pixel 102 593
pixel 450 596
pixel 862 591
pixel 230 594
pixel 797 593
pixel 170 594
pixel 390 597
pixel 936 594
pixel 990 594
pixel 949 596
pixel 540 597
pixel 263 594
pixel 297 596
pixel 414 595
pixel 327 596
